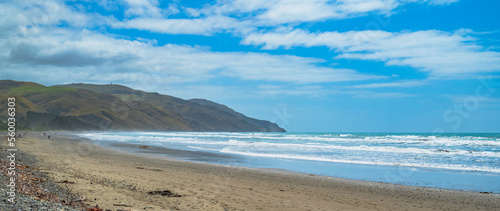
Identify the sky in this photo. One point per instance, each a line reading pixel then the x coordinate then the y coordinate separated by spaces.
pixel 310 66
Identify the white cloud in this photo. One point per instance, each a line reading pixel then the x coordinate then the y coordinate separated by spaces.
pixel 430 2
pixel 84 55
pixel 322 91
pixel 243 16
pixel 296 11
pixel 399 84
pixel 32 14
pixel 88 56
pixel 387 95
pixel 345 41
pixel 310 91
pixel 264 67
pixel 349 7
pixel 217 93
pixel 441 2
pixel 143 8
pixel 290 11
pixel 173 9
pixel 193 12
pixel 35 48
pixel 440 53
pixel 274 12
pixel 199 26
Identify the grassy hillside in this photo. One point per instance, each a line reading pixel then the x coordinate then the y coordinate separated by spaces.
pixel 116 107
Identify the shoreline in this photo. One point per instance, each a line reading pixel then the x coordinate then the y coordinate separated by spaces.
pixel 128 177
pixel 230 161
pixel 461 179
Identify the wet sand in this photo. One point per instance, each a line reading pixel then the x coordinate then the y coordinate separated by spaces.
pixel 109 178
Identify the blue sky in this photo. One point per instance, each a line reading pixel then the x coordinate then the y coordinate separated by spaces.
pixel 310 66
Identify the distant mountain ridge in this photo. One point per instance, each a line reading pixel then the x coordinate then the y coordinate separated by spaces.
pixel 117 107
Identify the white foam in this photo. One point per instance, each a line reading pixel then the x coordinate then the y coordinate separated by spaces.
pixel 202 148
pixel 345 135
pixel 180 138
pixel 340 148
pixel 326 159
pixel 333 148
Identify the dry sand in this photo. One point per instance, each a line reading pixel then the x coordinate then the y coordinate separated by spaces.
pixel 108 177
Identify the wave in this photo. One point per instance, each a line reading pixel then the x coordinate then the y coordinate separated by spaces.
pixel 161 139
pixel 388 149
pixel 456 167
pixel 203 149
pixel 463 153
pixel 341 138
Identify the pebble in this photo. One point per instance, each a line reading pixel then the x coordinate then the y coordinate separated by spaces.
pixel 24 202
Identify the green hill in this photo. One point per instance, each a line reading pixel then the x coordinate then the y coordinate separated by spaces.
pixel 116 107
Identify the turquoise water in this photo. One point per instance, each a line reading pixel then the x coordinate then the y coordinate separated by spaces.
pixel 468 162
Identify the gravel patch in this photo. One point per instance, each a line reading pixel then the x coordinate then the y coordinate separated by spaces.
pixel 34 189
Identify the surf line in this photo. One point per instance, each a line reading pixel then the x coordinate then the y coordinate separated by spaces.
pixel 11 130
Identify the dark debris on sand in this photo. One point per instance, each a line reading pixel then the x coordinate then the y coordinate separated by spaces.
pixel 166 193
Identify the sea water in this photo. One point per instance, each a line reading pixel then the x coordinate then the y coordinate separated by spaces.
pixel 469 162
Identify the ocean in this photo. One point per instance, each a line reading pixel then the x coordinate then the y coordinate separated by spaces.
pixel 469 162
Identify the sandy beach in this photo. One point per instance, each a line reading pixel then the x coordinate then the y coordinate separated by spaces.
pixel 120 180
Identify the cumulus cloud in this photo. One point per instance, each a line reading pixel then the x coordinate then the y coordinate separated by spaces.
pixel 198 26
pixel 72 53
pixel 93 57
pixel 253 66
pixel 142 8
pixel 35 47
pixel 69 48
pixel 286 11
pixel 243 16
pixel 53 43
pixel 275 12
pixel 440 53
pixel 32 14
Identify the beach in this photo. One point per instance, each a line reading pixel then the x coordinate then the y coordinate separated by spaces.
pixel 115 180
